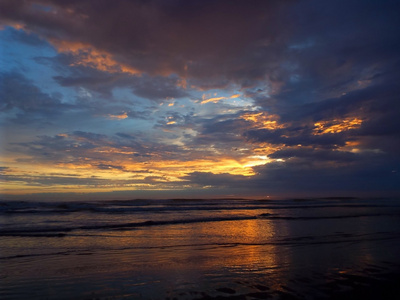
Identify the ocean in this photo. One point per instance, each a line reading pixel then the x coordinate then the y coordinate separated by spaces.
pixel 330 248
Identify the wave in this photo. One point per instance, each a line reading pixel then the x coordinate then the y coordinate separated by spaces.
pixel 61 231
pixel 299 241
pixel 137 206
pixel 277 217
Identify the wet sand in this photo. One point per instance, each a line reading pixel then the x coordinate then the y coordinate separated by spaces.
pixel 191 250
pixel 345 287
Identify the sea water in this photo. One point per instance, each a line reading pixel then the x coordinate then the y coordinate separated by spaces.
pixel 197 249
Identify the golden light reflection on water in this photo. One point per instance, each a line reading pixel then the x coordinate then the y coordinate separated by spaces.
pixel 240 248
pixel 195 255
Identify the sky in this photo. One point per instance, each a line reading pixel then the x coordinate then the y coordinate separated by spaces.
pixel 211 98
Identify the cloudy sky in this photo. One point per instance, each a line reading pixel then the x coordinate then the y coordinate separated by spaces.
pixel 210 98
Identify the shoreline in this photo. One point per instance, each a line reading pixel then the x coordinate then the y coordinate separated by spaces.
pixel 347 287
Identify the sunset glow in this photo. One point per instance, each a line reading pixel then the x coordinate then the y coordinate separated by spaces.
pixel 199 149
pixel 132 96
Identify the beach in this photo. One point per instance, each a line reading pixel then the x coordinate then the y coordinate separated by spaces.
pixel 330 248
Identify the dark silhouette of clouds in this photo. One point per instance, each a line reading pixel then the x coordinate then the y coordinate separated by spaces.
pixel 17 92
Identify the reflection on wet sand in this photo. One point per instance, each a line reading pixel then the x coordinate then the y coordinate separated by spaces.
pixel 158 260
pixel 303 252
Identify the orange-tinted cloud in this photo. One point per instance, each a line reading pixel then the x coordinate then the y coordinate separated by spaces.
pixel 88 56
pixel 217 99
pixel 337 125
pixel 263 120
pixel 122 116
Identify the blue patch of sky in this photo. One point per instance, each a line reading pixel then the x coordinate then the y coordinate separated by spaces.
pixel 24 53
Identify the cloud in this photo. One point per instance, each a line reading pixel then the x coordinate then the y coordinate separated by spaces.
pixel 315 155
pixel 121 116
pixel 158 88
pixel 94 150
pixel 304 177
pixel 241 41
pixel 4 169
pixel 224 180
pixel 318 84
pixel 216 99
pixel 21 96
pixel 296 136
pixel 51 180
pixel 189 39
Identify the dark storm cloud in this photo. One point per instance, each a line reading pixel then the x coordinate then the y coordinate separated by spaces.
pixel 337 45
pixel 342 60
pixel 79 76
pixel 313 49
pixel 145 86
pixel 371 175
pixel 296 136
pixel 18 92
pixel 315 154
pixel 189 38
pixel 377 105
pixel 243 41
pixel 379 96
pixel 22 102
pixel 371 172
pixel 157 88
pixel 223 133
pixel 217 180
pixel 228 124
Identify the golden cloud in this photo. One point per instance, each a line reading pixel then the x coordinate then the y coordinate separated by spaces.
pixel 216 99
pixel 336 125
pixel 88 56
pixel 122 116
pixel 263 120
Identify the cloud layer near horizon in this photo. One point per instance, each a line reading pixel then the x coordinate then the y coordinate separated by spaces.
pixel 221 97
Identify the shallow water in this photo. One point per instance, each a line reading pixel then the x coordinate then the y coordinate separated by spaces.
pixel 197 249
